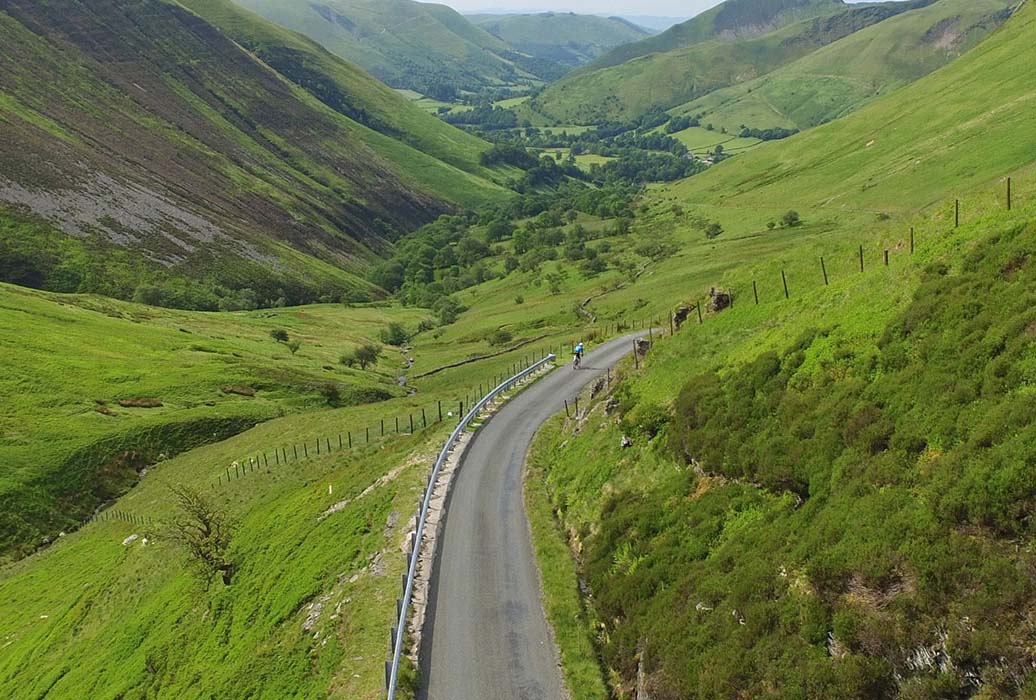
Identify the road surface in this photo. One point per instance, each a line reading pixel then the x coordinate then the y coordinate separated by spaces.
pixel 486 636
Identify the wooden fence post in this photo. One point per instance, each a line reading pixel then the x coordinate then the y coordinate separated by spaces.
pixel 440 411
pixel 785 281
pixel 886 257
pixel 1008 194
pixel 911 240
pixel 956 213
pixel 861 258
pixel 700 319
pixel 823 269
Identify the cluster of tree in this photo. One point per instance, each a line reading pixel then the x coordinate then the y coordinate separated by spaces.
pixel 774 134
pixel 636 167
pixel 486 116
pixel 509 154
pixel 680 123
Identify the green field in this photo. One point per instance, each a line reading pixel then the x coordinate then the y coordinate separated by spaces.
pixel 701 141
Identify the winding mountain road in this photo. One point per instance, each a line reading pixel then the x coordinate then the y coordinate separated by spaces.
pixel 486 636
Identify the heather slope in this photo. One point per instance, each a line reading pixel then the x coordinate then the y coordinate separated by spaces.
pixel 420 46
pixel 142 138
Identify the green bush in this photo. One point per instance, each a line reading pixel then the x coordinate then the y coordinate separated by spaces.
pixel 395 334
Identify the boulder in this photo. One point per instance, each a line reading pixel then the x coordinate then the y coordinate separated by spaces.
pixel 719 300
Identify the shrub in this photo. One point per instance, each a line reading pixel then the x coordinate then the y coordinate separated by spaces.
pixel 646 419
pixel 395 334
pixel 713 230
pixel 501 336
pixel 791 219
pixel 280 335
pixel 362 357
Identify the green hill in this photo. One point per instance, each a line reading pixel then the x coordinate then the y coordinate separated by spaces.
pixel 418 46
pixel 563 37
pixel 141 147
pixel 729 20
pixel 842 76
pixel 959 127
pixel 666 79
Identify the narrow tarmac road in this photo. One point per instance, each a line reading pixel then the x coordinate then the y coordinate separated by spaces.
pixel 486 635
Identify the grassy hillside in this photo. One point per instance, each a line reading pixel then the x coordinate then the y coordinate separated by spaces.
pixel 141 137
pixel 68 444
pixel 668 78
pixel 729 20
pixel 562 37
pixel 839 78
pixel 817 524
pixel 420 46
pixel 306 612
pixel 959 127
pixel 353 92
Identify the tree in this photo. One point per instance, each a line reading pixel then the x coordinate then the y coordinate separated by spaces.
pixel 280 335
pixel 362 357
pixel 713 230
pixel 294 346
pixel 205 532
pixel 791 219
pixel 395 334
pixel 497 230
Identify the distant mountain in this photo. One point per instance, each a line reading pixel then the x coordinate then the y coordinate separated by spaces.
pixel 419 46
pixel 146 152
pixel 843 76
pixel 562 37
pixel 662 80
pixel 654 23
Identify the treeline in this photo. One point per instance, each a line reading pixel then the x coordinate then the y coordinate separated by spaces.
pixel 486 116
pixel 774 134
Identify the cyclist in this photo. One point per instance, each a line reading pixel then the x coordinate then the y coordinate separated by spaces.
pixel 578 354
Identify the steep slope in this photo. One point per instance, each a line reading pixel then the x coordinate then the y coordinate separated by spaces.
pixel 730 20
pixel 563 37
pixel 842 76
pixel 142 145
pixel 420 46
pixel 963 125
pixel 345 88
pixel 667 79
